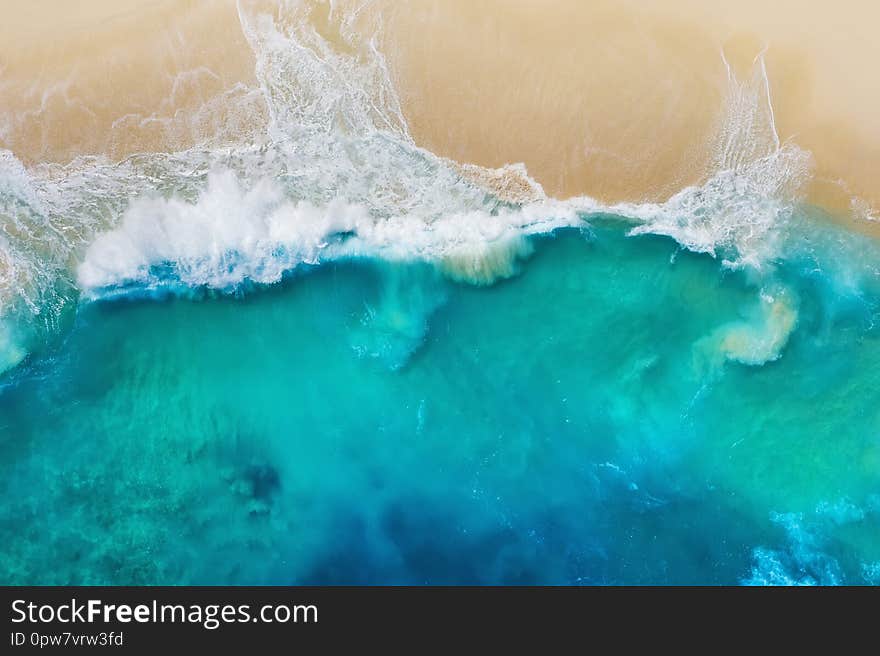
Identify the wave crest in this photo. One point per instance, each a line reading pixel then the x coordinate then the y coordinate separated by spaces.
pixel 330 170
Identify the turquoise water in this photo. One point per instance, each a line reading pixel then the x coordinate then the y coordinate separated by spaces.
pixel 319 353
pixel 619 411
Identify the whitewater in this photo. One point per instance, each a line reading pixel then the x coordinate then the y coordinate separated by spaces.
pixel 317 289
pixel 333 172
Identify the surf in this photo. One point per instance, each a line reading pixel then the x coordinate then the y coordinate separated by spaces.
pixel 333 172
pixel 308 335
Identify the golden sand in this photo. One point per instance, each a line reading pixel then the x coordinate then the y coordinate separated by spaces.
pixel 117 76
pixel 616 100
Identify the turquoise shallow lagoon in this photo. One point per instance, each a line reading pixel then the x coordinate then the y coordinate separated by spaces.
pixel 619 411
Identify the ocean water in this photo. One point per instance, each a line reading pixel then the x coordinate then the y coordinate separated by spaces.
pixel 323 354
pixel 367 422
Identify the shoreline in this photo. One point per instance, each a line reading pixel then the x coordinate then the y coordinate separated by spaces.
pixel 617 101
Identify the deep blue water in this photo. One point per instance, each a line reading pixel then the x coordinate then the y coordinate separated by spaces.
pixel 620 411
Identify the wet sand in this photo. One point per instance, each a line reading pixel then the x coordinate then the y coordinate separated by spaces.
pixel 118 77
pixel 618 100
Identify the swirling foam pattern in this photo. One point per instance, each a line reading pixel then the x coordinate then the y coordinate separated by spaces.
pixel 320 353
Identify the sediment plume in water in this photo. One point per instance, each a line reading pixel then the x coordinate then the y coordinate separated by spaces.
pixel 506 292
pixel 303 139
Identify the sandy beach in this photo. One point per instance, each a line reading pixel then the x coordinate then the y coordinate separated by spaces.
pixel 617 100
pixel 439 292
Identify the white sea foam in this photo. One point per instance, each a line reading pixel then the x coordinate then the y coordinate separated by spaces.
pixel 741 211
pixel 354 184
pixel 801 562
pixel 330 170
pixel 806 557
pixel 232 234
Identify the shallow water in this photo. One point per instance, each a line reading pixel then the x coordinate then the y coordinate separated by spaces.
pixel 369 422
pixel 314 351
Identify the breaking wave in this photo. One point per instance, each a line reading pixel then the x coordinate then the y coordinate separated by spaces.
pixel 329 170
